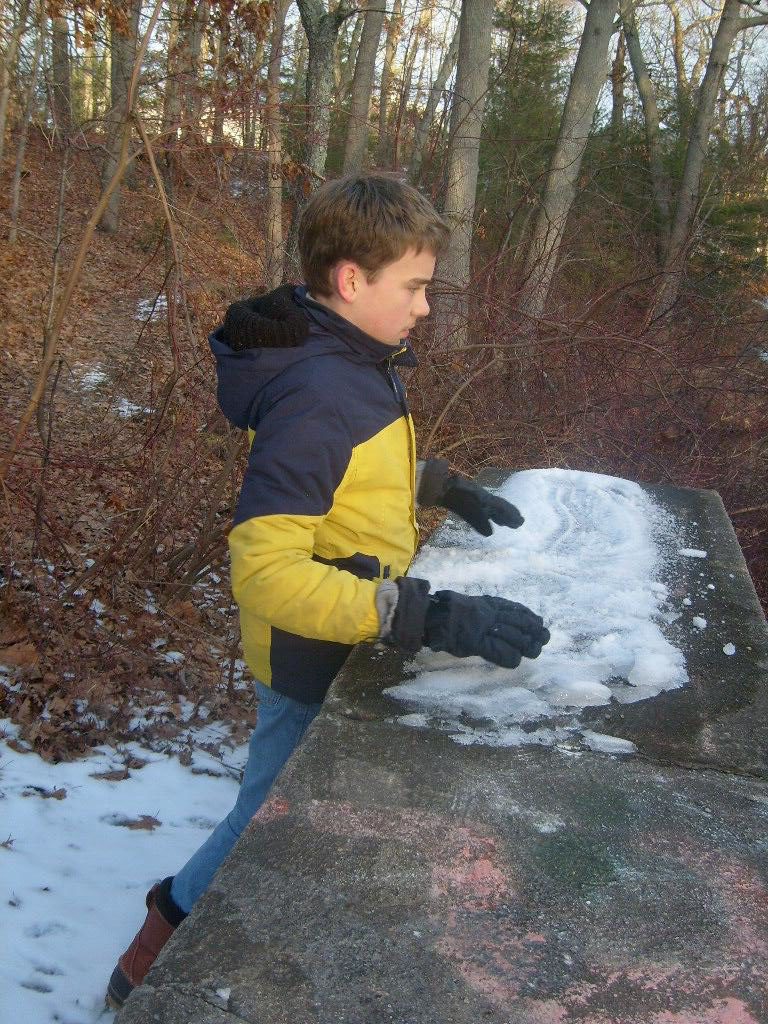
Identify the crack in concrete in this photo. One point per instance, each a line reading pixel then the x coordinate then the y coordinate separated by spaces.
pixel 196 994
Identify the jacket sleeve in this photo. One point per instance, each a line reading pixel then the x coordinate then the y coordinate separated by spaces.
pixel 299 461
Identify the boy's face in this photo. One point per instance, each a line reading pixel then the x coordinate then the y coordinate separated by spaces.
pixel 389 306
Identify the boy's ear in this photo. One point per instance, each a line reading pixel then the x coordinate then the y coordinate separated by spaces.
pixel 346 277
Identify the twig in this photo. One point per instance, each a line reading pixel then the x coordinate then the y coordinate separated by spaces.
pixel 454 398
pixel 752 508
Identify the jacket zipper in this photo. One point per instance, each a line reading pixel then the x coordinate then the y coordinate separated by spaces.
pixel 399 392
pixel 395 383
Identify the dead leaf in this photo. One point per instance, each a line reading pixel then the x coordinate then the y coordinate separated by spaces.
pixel 46 794
pixel 116 775
pixel 145 822
pixel 22 655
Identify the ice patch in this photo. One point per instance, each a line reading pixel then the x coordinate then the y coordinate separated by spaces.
pixel 692 553
pixel 607 744
pixel 588 560
pixel 699 622
pixel 729 649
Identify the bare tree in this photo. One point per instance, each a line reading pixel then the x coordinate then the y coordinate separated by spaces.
pixel 61 68
pixel 732 21
pixel 182 104
pixel 322 27
pixel 588 77
pixel 647 93
pixel 8 64
pixel 467 110
pixel 618 79
pixel 123 29
pixel 394 28
pixel 220 83
pixel 29 104
pixel 362 87
pixel 273 271
pixel 344 66
pixel 444 72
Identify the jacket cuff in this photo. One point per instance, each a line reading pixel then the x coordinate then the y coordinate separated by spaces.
pixel 386 605
pixel 407 629
pixel 431 479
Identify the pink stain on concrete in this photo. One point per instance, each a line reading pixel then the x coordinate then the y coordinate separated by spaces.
pixel 472 876
pixel 273 807
pixel 470 882
pixel 726 1011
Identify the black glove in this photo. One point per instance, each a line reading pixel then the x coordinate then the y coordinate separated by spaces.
pixel 459 494
pixel 498 630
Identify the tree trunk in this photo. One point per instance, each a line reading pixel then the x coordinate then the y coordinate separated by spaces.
pixel 7 68
pixel 299 90
pixel 560 187
pixel 192 93
pixel 344 73
pixel 123 55
pixel 682 232
pixel 422 131
pixel 87 81
pixel 273 270
pixel 618 78
pixel 61 77
pixel 394 28
pixel 29 106
pixel 362 87
pixel 171 94
pixel 220 84
pixel 409 63
pixel 683 89
pixel 322 29
pixel 646 91
pixel 466 122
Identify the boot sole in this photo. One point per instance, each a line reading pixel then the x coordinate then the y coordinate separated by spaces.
pixel 118 989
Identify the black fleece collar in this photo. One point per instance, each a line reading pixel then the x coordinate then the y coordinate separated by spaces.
pixel 284 317
pixel 360 342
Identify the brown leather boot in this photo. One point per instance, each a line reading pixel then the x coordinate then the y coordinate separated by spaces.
pixel 162 920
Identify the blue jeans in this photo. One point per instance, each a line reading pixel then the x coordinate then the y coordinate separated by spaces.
pixel 280 726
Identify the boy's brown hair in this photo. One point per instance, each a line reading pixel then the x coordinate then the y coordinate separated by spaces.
pixel 371 219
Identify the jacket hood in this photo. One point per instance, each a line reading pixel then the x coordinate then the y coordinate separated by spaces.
pixel 264 335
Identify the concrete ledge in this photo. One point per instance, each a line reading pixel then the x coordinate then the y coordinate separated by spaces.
pixel 394 876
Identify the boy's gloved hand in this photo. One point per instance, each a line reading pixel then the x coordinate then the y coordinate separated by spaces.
pixel 498 630
pixel 459 494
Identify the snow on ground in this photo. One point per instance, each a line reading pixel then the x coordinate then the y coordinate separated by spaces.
pixel 589 559
pixel 79 854
pixel 154 308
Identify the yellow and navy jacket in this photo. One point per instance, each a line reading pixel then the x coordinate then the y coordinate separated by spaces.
pixel 327 506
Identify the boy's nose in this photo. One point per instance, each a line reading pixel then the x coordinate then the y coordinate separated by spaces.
pixel 422 307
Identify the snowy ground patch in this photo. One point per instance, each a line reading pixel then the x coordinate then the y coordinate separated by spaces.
pixel 151 309
pixel 589 560
pixel 81 846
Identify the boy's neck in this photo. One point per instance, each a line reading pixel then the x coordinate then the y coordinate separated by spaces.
pixel 342 309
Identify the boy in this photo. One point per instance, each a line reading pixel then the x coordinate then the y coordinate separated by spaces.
pixel 325 527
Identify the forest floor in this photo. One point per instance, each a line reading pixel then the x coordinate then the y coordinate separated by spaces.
pixel 117 624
